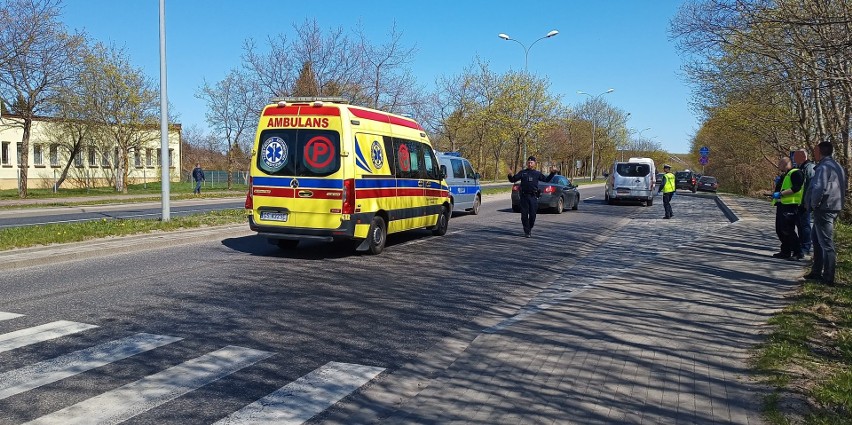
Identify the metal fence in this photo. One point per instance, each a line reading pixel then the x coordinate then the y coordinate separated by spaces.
pixel 219 178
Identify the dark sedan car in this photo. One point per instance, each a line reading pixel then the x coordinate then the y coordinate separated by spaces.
pixel 557 195
pixel 707 184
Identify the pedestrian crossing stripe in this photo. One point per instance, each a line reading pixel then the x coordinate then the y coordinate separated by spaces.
pixel 36 334
pixel 123 403
pixel 294 403
pixel 53 370
pixel 306 397
pixel 7 316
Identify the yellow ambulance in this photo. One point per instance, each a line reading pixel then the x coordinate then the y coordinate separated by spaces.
pixel 322 169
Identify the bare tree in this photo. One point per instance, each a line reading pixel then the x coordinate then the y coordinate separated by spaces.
pixel 43 60
pixel 233 106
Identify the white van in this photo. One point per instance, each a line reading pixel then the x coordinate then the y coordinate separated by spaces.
pixel 634 180
pixel 465 191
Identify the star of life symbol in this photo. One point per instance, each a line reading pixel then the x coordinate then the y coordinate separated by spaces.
pixel 376 155
pixel 274 153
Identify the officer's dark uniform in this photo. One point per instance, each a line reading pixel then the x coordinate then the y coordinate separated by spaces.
pixel 528 192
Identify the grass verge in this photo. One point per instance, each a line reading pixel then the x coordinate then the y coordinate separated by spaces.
pixel 22 237
pixel 807 358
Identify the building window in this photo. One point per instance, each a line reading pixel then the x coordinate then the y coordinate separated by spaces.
pixel 159 162
pixel 115 157
pixel 105 159
pixel 93 157
pixel 78 159
pixel 38 155
pixel 20 147
pixel 171 158
pixel 4 155
pixel 148 157
pixel 137 157
pixel 54 155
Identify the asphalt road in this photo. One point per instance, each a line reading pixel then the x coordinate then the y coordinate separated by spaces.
pixel 291 312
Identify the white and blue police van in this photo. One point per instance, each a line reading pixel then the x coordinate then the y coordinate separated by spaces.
pixel 465 191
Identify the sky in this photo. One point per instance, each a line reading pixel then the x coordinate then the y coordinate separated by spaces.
pixel 618 44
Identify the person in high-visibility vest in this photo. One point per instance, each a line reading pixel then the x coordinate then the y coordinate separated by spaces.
pixel 668 190
pixel 786 198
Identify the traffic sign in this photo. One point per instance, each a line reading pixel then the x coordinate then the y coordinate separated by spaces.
pixel 703 160
pixel 704 151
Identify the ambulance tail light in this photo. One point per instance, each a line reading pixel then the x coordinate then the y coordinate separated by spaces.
pixel 249 197
pixel 348 196
pixel 549 189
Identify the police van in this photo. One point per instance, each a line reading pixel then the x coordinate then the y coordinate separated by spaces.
pixel 465 191
pixel 322 169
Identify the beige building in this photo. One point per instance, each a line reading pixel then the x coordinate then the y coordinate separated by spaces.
pixel 94 166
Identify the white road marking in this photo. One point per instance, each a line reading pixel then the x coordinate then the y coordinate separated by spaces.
pixel 6 316
pixel 48 331
pixel 49 371
pixel 123 403
pixel 305 397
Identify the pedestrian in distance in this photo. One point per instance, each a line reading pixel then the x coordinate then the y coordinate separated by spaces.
pixel 826 198
pixel 668 190
pixel 786 199
pixel 803 226
pixel 529 193
pixel 198 176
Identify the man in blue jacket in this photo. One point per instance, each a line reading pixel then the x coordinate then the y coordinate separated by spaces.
pixel 826 197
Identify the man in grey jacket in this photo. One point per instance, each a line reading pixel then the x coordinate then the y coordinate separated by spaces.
pixel 825 198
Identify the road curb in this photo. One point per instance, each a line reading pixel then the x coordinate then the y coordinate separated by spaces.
pixel 57 253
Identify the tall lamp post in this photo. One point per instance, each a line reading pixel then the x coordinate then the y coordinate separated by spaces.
pixel 527 57
pixel 594 128
pixel 527 49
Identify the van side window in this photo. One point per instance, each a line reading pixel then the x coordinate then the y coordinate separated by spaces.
pixel 458 168
pixel 390 153
pixel 430 163
pixel 409 158
pixel 469 170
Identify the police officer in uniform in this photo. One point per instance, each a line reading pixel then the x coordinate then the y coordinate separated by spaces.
pixel 668 190
pixel 528 191
pixel 787 198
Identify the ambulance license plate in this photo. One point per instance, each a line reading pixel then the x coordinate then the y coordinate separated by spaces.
pixel 274 216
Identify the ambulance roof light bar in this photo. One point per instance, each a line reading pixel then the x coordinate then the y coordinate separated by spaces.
pixel 315 100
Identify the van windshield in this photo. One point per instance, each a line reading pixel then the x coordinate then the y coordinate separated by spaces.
pixel 299 152
pixel 628 169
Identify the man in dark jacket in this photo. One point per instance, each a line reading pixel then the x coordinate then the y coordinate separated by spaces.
pixel 528 192
pixel 198 176
pixel 826 197
pixel 803 226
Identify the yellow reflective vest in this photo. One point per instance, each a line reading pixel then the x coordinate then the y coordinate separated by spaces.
pixel 794 198
pixel 669 185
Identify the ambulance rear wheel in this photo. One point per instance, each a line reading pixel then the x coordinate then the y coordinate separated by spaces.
pixel 378 235
pixel 477 203
pixel 443 221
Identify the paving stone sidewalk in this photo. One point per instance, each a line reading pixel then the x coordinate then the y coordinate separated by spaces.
pixel 662 339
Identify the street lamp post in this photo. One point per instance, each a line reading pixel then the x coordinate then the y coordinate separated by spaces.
pixel 594 129
pixel 527 57
pixel 527 49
